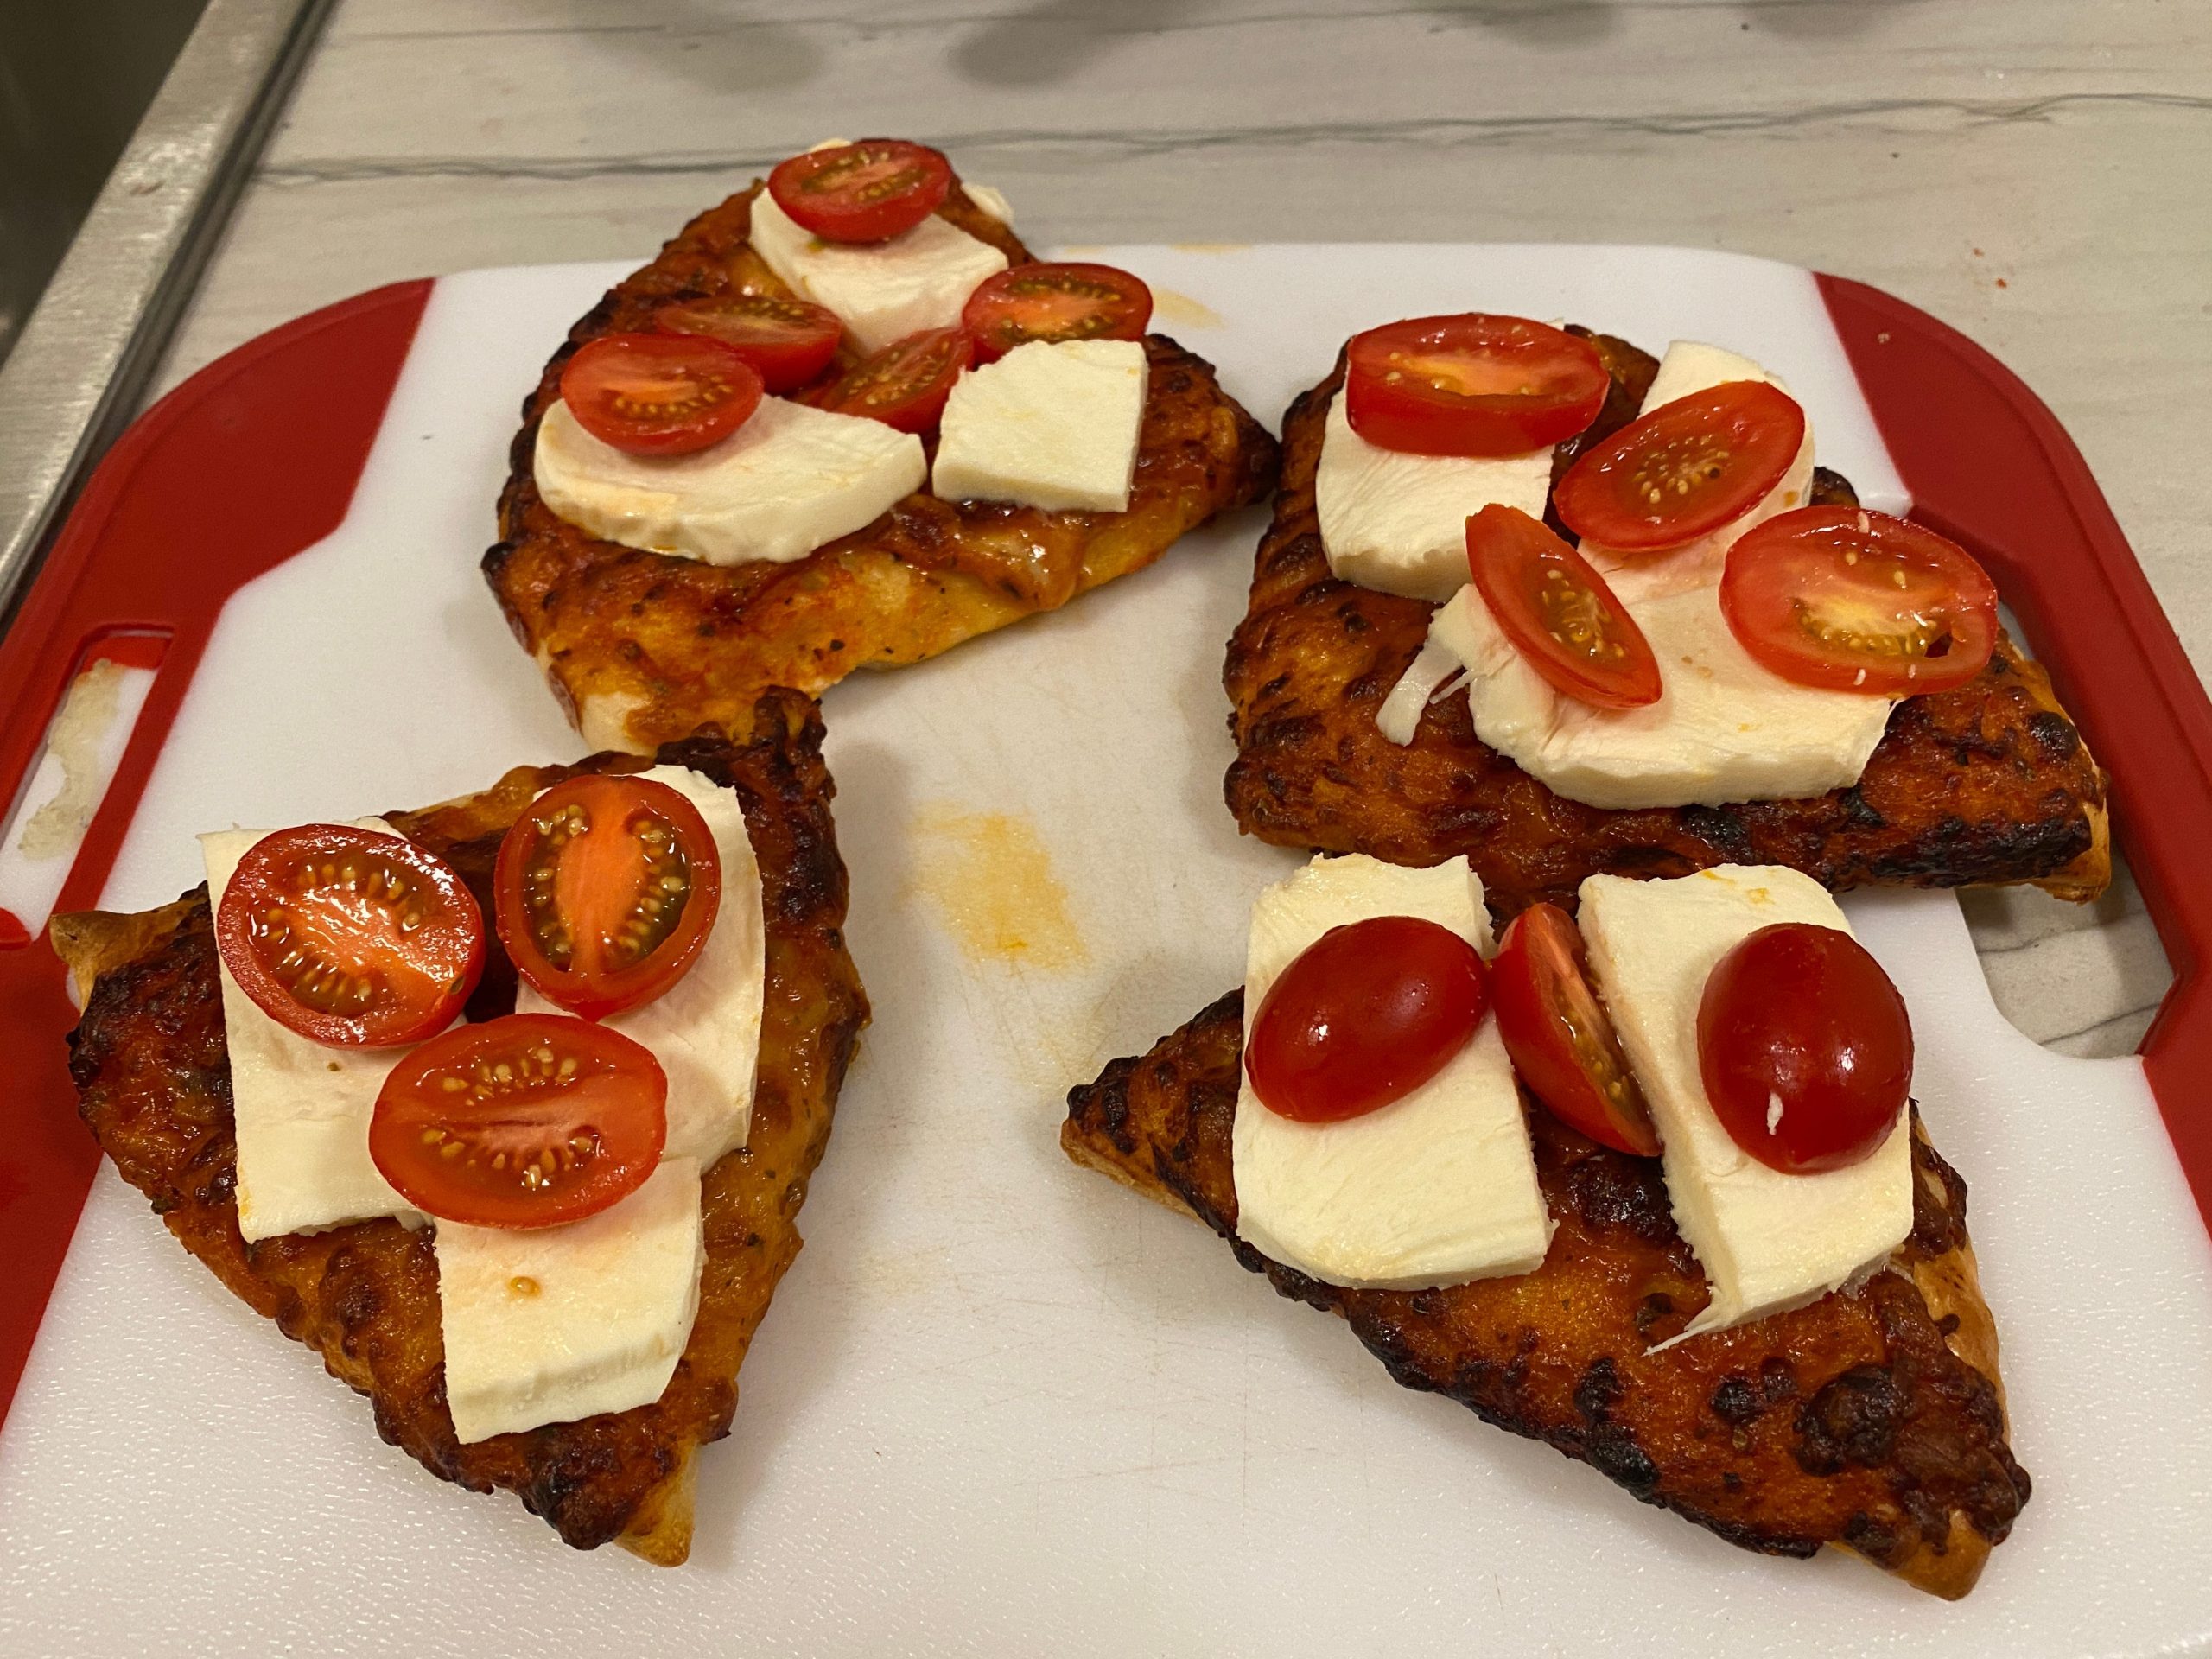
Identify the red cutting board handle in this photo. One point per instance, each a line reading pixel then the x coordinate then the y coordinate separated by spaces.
pixel 1990 467
pixel 251 461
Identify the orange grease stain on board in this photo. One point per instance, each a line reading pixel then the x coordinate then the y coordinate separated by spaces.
pixel 1181 311
pixel 991 879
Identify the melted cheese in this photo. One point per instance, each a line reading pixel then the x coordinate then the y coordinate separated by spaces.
pixel 1437 1188
pixel 301 1110
pixel 791 479
pixel 1767 1241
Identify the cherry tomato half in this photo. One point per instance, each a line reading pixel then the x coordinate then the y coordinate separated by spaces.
pixel 353 938
pixel 660 394
pixel 1856 601
pixel 1474 384
pixel 1684 470
pixel 868 191
pixel 607 887
pixel 1053 302
pixel 1804 1048
pixel 1366 1015
pixel 1559 1035
pixel 788 342
pixel 906 384
pixel 527 1120
pixel 1559 613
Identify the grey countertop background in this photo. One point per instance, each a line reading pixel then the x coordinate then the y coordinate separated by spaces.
pixel 2038 173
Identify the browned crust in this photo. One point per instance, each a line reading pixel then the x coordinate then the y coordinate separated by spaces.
pixel 154 1081
pixel 642 648
pixel 1871 1421
pixel 1991 783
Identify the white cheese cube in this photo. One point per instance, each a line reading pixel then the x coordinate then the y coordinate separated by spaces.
pixel 300 1110
pixel 791 479
pixel 1051 424
pixel 1398 522
pixel 1768 1240
pixel 1688 368
pixel 705 1029
pixel 553 1324
pixel 1725 728
pixel 881 291
pixel 1436 1188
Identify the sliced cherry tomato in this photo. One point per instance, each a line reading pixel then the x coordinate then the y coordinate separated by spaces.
pixel 906 384
pixel 1473 385
pixel 1684 470
pixel 606 888
pixel 1559 613
pixel 527 1120
pixel 1856 601
pixel 1559 1035
pixel 868 191
pixel 1804 1048
pixel 1053 302
pixel 353 938
pixel 1366 1015
pixel 788 342
pixel 660 394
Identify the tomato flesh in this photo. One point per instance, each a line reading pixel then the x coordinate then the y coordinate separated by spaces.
pixel 607 889
pixel 1559 1037
pixel 1684 471
pixel 1854 600
pixel 1364 1015
pixel 1473 385
pixel 350 937
pixel 527 1120
pixel 1559 613
pixel 906 384
pixel 660 394
pixel 868 191
pixel 1055 302
pixel 1804 1048
pixel 788 342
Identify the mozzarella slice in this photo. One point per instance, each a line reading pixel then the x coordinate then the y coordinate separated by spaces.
pixel 1768 1240
pixel 791 479
pixel 881 291
pixel 705 1029
pixel 1688 368
pixel 553 1324
pixel 301 1110
pixel 1725 728
pixel 1051 424
pixel 1398 522
pixel 1437 1188
pixel 993 202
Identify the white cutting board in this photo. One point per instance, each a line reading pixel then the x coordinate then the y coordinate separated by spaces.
pixel 1001 1406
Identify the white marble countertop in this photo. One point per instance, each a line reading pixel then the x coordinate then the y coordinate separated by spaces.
pixel 2037 172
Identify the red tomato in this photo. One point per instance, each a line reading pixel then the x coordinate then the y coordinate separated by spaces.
pixel 1559 613
pixel 529 1121
pixel 1560 1036
pixel 660 394
pixel 788 342
pixel 1366 1015
pixel 1804 1048
pixel 1684 470
pixel 1858 601
pixel 607 887
pixel 1055 302
pixel 1471 386
pixel 906 384
pixel 868 192
pixel 353 938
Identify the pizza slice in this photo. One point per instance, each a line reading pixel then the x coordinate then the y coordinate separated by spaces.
pixel 1547 1214
pixel 1360 725
pixel 783 451
pixel 558 1305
